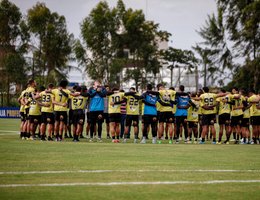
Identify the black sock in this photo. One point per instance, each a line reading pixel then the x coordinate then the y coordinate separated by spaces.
pixel 214 140
pixel 113 137
pixel 203 139
pixel 117 137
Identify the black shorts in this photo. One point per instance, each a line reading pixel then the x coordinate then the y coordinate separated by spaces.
pixel 192 124
pixel 255 120
pixel 224 119
pixel 47 118
pixel 23 118
pixel 96 116
pixel 130 119
pixel 26 113
pixel 236 120
pixel 208 120
pixel 115 117
pixel 35 119
pixel 106 117
pixel 245 122
pixel 88 117
pixel 78 117
pixel 150 119
pixel 71 113
pixel 61 116
pixel 166 117
pixel 180 120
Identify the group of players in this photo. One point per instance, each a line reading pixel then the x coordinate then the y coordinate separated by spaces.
pixel 166 112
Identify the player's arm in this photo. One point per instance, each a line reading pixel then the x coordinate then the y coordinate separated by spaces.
pixel 101 91
pixel 54 102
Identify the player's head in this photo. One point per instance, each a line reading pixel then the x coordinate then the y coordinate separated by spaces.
pixel 42 88
pixel 205 89
pixel 234 90
pixel 63 83
pixel 182 88
pixel 50 86
pixel 172 88
pixel 193 94
pixel 74 87
pixel 160 86
pixel 78 89
pixel 96 84
pixel 251 92
pixel 107 87
pixel 84 88
pixel 115 89
pixel 32 83
pixel 132 89
pixel 149 86
pixel 121 90
pixel 222 90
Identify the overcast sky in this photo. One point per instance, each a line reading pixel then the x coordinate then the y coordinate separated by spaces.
pixel 179 17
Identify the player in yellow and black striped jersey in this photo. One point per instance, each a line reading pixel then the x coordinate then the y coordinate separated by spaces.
pixel 47 117
pixel 165 116
pixel 60 100
pixel 78 105
pixel 34 114
pixel 237 113
pixel 254 101
pixel 193 119
pixel 208 109
pixel 133 104
pixel 224 110
pixel 115 99
pixel 31 85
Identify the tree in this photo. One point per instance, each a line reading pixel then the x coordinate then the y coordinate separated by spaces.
pixel 53 43
pixel 13 40
pixel 242 23
pixel 178 57
pixel 118 38
pixel 234 39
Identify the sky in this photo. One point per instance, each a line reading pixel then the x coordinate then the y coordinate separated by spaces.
pixel 181 18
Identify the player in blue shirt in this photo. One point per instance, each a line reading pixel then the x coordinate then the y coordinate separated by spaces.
pixel 182 103
pixel 96 108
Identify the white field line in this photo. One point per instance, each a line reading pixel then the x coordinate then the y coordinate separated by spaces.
pixel 3 132
pixel 111 171
pixel 129 183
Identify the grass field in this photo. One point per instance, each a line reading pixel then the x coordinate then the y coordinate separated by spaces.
pixel 67 170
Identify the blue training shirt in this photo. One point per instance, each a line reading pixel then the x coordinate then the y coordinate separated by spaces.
pixel 150 99
pixel 96 100
pixel 182 100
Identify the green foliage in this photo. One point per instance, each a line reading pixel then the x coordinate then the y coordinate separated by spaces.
pixel 234 34
pixel 54 44
pixel 13 43
pixel 108 33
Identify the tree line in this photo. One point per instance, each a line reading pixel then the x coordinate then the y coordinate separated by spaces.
pixel 38 45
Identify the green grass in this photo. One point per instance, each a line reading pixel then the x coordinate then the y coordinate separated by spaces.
pixel 126 161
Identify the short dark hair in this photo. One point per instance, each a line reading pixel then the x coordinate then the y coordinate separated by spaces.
pixel 172 88
pixel 251 90
pixel 223 90
pixel 205 89
pixel 132 88
pixel 63 83
pixel 78 89
pixel 235 88
pixel 182 88
pixel 31 81
pixel 42 88
pixel 149 86
pixel 159 85
pixel 51 85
